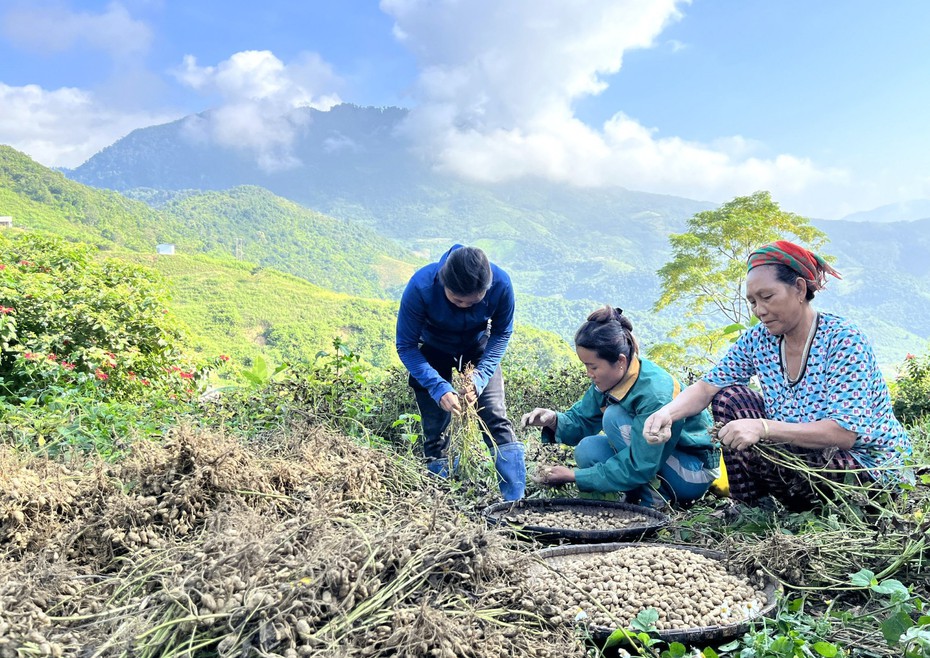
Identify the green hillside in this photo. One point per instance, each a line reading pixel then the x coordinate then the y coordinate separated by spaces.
pixel 247 222
pixel 253 224
pixel 231 305
pixel 39 198
pixel 235 308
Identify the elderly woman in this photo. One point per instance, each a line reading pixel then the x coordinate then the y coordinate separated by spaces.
pixel 625 390
pixel 823 397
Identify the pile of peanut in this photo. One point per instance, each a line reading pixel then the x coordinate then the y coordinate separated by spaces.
pixel 610 589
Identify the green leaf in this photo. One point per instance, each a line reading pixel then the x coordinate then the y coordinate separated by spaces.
pixel 616 638
pixel 892 587
pixel 675 650
pixel 863 578
pixel 645 620
pixel 260 368
pixel 895 626
pixel 252 377
pixel 729 646
pixel 710 653
pixel 825 649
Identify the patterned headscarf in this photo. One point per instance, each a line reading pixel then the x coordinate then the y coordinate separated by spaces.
pixel 811 267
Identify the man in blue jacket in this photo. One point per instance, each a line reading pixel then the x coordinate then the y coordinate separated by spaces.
pixel 456 312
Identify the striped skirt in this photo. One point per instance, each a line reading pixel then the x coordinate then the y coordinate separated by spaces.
pixel 759 472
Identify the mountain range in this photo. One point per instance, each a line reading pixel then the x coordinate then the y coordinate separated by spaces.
pixel 576 247
pixel 568 249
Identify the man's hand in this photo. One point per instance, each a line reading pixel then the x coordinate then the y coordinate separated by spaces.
pixel 450 402
pixel 540 417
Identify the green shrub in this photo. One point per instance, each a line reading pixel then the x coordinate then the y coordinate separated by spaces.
pixel 912 390
pixel 89 356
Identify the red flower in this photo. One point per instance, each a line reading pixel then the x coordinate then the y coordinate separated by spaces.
pixel 223 357
pixel 909 356
pixel 186 375
pixel 101 375
pixel 6 310
pixel 51 357
pixel 30 355
pixel 67 365
pixel 2 266
pixel 145 382
pixel 25 263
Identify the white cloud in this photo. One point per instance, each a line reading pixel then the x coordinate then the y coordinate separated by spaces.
pixel 64 127
pixel 50 28
pixel 257 94
pixel 498 84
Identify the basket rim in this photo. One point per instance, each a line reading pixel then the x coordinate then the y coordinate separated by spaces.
pixel 493 513
pixel 717 632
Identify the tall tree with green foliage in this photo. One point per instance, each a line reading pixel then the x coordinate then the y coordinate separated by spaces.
pixel 707 273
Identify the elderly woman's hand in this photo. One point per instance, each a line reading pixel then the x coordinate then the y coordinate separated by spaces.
pixel 742 433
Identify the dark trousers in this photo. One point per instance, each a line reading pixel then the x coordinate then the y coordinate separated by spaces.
pixel 491 405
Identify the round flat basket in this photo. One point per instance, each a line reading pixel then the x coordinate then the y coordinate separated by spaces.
pixel 632 522
pixel 555 556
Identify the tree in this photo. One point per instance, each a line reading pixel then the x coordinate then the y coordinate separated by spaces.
pixel 708 270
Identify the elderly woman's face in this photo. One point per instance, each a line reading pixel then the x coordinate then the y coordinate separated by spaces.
pixel 779 306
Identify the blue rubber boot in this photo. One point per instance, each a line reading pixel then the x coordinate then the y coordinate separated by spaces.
pixel 511 469
pixel 439 467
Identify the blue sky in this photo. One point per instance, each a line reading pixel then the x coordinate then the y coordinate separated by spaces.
pixel 823 103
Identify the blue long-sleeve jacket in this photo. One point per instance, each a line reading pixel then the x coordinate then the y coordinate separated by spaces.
pixel 427 316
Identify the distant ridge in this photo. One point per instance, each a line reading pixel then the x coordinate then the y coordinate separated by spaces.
pixel 904 211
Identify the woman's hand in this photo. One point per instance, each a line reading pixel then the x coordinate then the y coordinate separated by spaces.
pixel 450 402
pixel 553 476
pixel 742 433
pixel 469 395
pixel 658 427
pixel 540 417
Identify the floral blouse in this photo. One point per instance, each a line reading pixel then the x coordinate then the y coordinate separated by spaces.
pixel 840 381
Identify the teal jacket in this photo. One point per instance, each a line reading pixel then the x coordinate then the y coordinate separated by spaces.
pixel 644 389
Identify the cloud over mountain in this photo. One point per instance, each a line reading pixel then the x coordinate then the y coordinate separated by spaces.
pixel 498 86
pixel 256 93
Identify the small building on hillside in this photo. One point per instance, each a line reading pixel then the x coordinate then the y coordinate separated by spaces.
pixel 165 249
pixel 6 222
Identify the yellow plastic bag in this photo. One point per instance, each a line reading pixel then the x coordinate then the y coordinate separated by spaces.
pixel 721 486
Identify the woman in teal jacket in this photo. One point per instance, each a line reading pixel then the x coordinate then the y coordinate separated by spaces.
pixel 606 425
